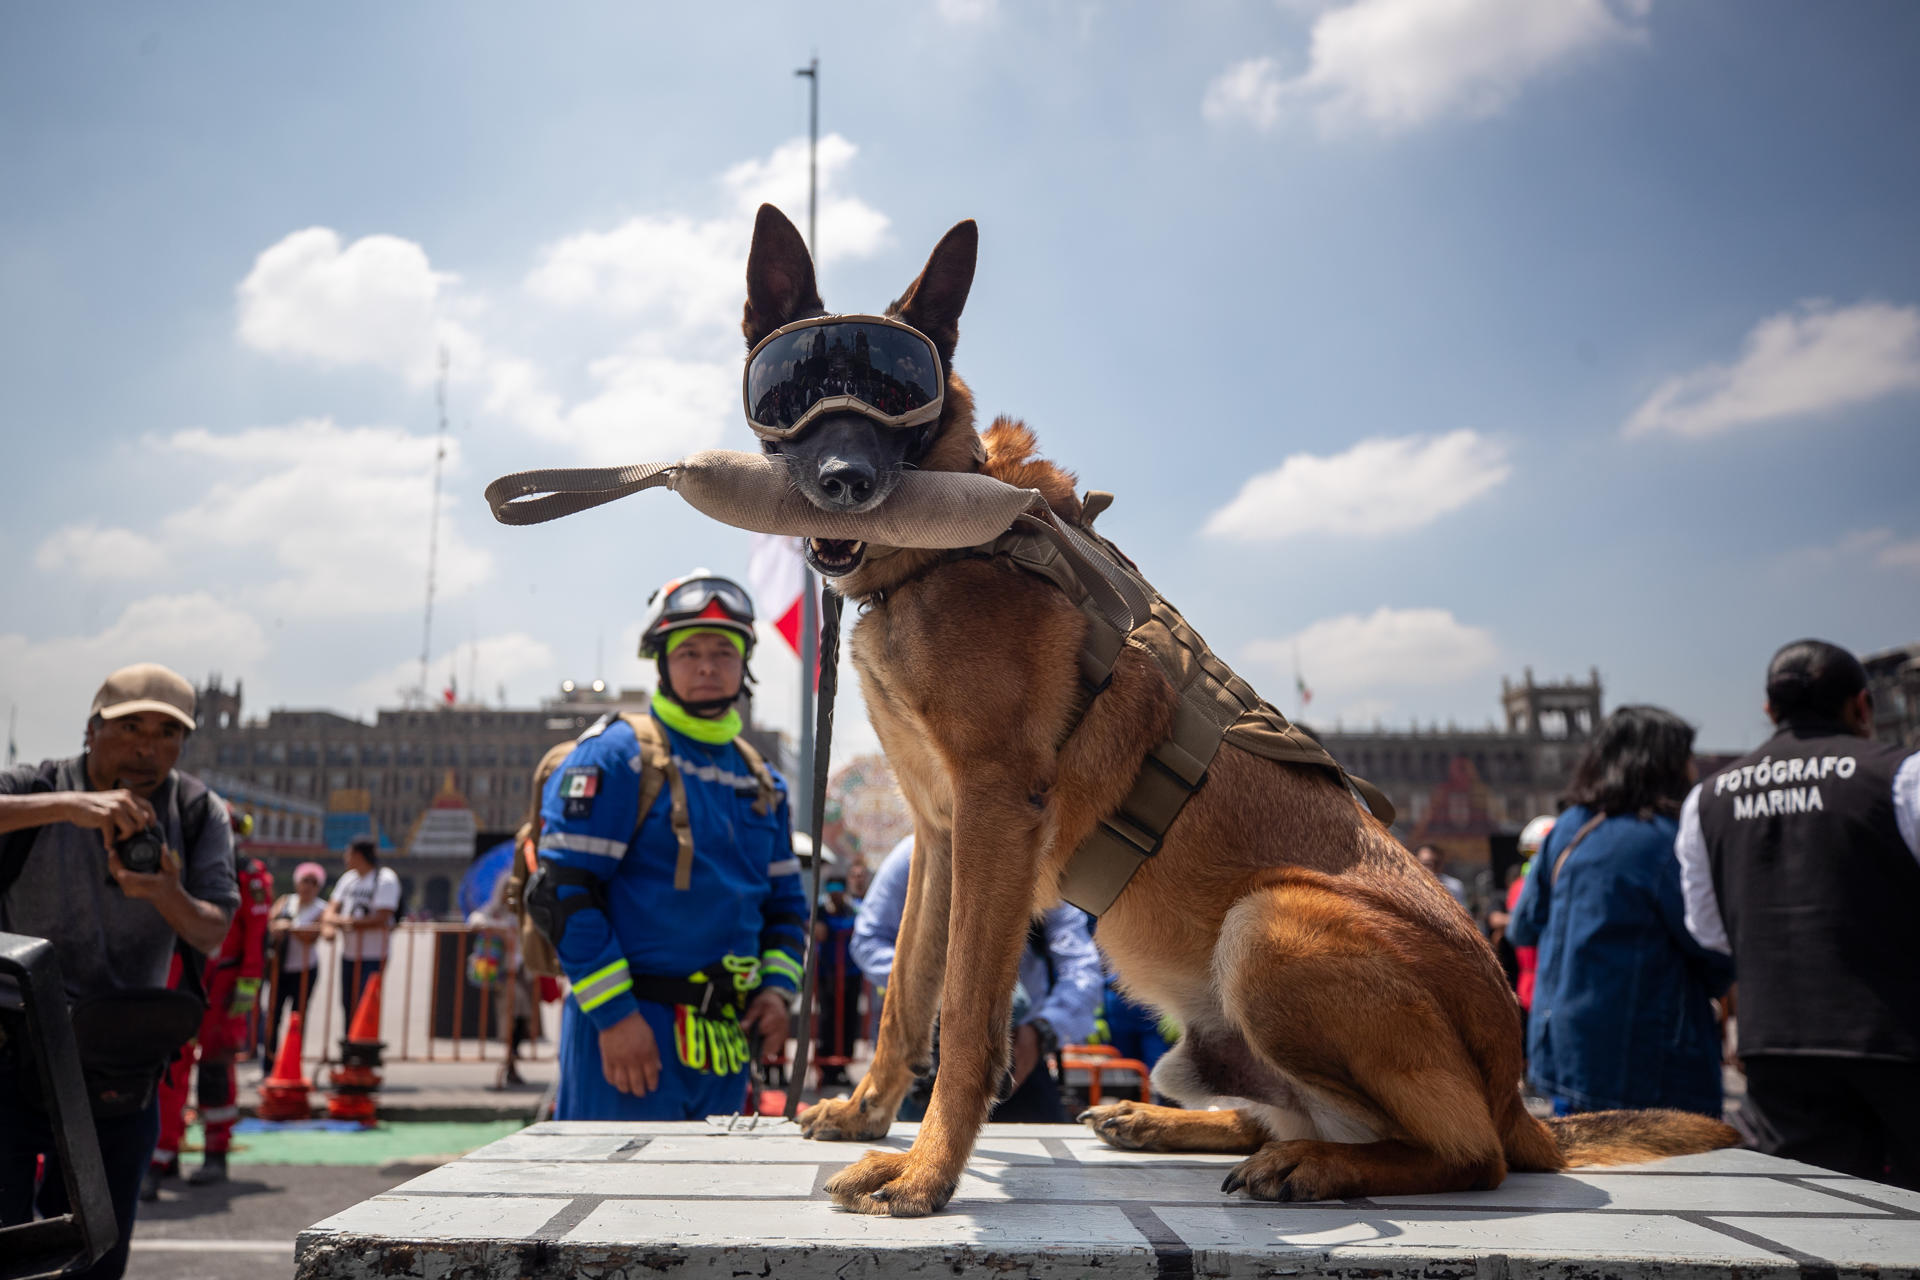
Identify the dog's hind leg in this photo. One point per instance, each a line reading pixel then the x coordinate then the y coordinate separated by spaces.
pixel 905 1046
pixel 995 840
pixel 1321 992
pixel 1141 1126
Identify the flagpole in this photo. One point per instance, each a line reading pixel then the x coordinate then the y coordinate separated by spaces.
pixel 809 610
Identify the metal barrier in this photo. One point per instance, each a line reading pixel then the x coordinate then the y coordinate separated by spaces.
pixel 423 971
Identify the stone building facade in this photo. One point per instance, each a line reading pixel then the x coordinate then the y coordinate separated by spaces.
pixel 1894 677
pixel 406 756
pixel 1460 788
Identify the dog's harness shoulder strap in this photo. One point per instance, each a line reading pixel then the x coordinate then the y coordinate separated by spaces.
pixel 1215 704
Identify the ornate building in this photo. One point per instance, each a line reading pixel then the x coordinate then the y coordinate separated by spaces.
pixel 1461 788
pixel 393 768
pixel 1894 677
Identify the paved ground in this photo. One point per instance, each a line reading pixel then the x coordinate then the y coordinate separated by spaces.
pixel 244 1229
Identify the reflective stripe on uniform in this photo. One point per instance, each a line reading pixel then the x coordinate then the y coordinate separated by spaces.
pixel 779 963
pixel 218 1115
pixel 714 773
pixel 575 842
pixel 602 985
pixel 784 867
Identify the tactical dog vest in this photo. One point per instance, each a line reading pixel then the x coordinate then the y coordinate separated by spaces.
pixel 1215 706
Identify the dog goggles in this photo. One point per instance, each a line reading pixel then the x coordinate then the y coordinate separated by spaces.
pixel 868 365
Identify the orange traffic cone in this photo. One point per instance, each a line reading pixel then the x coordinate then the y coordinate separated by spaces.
pixel 283 1094
pixel 357 1077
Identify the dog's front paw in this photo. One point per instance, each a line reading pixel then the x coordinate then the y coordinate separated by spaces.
pixel 854 1119
pixel 891 1182
pixel 1131 1126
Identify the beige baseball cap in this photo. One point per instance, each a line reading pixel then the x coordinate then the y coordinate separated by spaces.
pixel 145 686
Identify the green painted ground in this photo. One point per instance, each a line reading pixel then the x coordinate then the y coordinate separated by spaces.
pixel 384 1144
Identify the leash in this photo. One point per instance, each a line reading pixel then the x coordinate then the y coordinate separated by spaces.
pixel 822 753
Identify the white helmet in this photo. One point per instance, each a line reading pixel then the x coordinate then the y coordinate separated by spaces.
pixel 1534 835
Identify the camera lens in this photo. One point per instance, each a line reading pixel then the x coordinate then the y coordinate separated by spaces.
pixel 141 851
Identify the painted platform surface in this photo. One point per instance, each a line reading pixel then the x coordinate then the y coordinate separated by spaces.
pixel 601 1201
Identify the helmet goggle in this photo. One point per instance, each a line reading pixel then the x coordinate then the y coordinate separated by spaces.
pixel 699 601
pixel 869 365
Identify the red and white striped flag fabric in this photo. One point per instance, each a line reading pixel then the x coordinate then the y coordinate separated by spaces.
pixel 776 574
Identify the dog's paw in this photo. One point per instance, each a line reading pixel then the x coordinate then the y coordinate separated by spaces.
pixel 845 1120
pixel 1131 1126
pixel 891 1182
pixel 1299 1170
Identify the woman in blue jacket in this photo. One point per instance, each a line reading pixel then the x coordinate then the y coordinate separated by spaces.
pixel 1622 1011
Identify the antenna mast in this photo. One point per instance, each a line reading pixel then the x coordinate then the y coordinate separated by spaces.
pixel 809 610
pixel 433 525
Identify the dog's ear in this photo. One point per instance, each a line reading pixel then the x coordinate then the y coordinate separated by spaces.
pixel 932 304
pixel 780 285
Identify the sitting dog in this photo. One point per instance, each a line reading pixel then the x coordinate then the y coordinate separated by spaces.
pixel 1341 1011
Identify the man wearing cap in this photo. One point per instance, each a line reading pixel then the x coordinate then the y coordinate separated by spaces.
pixel 113 929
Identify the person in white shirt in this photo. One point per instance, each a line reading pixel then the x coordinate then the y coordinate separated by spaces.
pixel 362 909
pixel 293 930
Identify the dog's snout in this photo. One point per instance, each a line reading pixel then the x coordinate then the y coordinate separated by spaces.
pixel 846 481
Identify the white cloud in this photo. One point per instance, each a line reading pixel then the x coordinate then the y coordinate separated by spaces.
pixel 690 272
pixel 1379 486
pixel 1815 359
pixel 340 512
pixel 376 302
pixel 1385 649
pixel 52 681
pixel 1398 64
pixel 1252 91
pixel 526 666
pixel 1881 547
pixel 89 551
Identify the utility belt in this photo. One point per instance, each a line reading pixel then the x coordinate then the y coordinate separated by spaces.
pixel 706 1008
pixel 706 999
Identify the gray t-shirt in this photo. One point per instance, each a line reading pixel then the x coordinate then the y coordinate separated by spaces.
pixel 105 940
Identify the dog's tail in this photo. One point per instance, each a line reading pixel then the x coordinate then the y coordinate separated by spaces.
pixel 1628 1137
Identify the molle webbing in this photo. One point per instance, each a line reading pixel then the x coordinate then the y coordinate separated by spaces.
pixel 1215 706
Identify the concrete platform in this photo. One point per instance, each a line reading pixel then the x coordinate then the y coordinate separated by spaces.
pixel 644 1200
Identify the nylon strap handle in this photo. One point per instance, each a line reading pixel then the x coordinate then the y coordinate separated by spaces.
pixel 822 753
pixel 535 497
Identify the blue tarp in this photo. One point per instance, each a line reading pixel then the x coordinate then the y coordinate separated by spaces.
pixel 477 885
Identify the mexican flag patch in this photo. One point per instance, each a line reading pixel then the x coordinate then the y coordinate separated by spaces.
pixel 580 784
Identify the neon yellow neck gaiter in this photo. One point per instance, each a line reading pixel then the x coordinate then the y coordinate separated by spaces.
pixel 715 733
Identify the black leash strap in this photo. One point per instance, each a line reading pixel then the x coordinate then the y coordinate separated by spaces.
pixel 822 754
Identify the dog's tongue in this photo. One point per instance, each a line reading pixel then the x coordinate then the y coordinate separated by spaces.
pixel 929 509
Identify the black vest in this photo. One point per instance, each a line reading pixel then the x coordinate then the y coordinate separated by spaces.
pixel 1820 895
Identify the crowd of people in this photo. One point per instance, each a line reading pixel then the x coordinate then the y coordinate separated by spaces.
pixel 658 875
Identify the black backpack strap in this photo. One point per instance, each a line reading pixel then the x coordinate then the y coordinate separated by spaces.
pixel 193 801
pixel 16 845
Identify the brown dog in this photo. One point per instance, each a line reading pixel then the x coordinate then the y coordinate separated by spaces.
pixel 1331 993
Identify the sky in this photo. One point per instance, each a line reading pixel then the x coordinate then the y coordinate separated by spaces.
pixel 1423 341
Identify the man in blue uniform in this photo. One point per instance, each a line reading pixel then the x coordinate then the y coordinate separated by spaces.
pixel 681 928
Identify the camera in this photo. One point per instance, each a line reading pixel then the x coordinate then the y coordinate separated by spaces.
pixel 141 851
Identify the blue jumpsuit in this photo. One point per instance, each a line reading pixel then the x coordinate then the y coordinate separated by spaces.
pixel 741 920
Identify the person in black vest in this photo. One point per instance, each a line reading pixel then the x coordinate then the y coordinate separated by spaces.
pixel 1803 860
